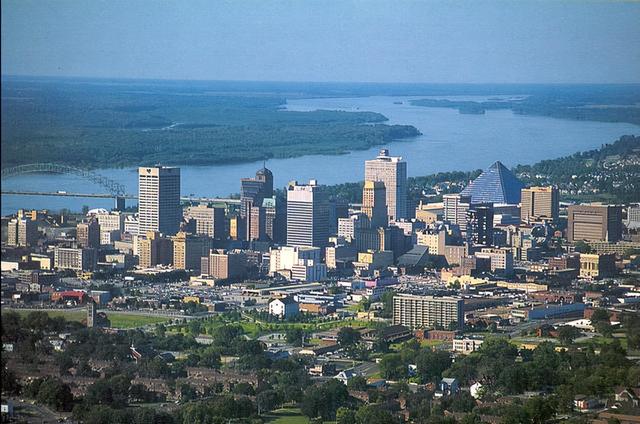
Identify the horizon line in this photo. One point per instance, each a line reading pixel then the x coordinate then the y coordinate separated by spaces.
pixel 2 76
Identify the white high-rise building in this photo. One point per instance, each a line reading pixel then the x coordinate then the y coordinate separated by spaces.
pixel 307 215
pixel 392 171
pixel 159 200
pixel 455 209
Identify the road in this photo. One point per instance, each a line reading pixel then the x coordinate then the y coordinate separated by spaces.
pixel 34 413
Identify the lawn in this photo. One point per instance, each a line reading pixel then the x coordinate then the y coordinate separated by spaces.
pixel 118 320
pixel 133 321
pixel 286 416
pixel 255 329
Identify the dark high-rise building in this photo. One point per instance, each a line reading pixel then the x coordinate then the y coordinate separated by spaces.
pixel 209 221
pixel 480 224
pixel 594 223
pixel 275 219
pixel 253 191
pixel 307 215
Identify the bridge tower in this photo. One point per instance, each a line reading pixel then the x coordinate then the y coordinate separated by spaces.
pixel 119 203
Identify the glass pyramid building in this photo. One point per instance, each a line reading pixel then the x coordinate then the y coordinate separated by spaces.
pixel 495 185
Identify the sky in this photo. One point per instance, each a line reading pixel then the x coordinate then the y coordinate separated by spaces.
pixel 449 41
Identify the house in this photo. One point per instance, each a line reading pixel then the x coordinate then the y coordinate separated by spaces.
pixel 466 345
pixel 625 394
pixel 448 387
pixel 284 307
pixel 345 376
pixel 323 370
pixel 319 350
pixel 390 334
pixel 476 390
pixel 585 403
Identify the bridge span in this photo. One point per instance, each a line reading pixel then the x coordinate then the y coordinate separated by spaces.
pixel 228 201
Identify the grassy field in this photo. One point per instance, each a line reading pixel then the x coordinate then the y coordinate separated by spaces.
pixel 118 320
pixel 286 416
pixel 134 321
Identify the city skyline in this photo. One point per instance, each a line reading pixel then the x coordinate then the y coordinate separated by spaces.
pixel 184 251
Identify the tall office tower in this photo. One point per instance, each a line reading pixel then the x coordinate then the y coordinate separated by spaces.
pixel 455 209
pixel 88 234
pixel 253 191
pixel 275 219
pixel 374 203
pixel 188 249
pixel 307 215
pixel 22 232
pixel 538 204
pixel 159 200
pixel 594 223
pixel 480 224
pixel 392 171
pixel 416 311
pixel 257 229
pixel 209 220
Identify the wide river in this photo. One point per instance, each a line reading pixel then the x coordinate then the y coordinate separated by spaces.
pixel 450 141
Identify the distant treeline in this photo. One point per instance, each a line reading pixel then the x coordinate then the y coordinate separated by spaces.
pixel 118 125
pixel 597 104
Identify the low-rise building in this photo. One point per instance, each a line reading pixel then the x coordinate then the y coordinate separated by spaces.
pixel 284 308
pixel 594 266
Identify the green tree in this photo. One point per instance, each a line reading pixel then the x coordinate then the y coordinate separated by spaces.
pixel 373 414
pixel 431 364
pixel 540 409
pixel 345 416
pixel 567 334
pixel 601 322
pixel 392 366
pixel 358 383
pixel 582 247
pixel 295 336
pixel 323 401
pixel 348 336
pixel 56 394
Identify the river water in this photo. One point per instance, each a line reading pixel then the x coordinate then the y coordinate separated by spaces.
pixel 450 141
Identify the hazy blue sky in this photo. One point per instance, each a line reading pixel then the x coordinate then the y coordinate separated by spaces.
pixel 309 40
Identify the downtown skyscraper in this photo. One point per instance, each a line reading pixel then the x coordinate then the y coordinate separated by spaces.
pixel 392 171
pixel 307 215
pixel 159 199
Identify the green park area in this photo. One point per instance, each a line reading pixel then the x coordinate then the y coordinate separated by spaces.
pixel 118 320
pixel 286 416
